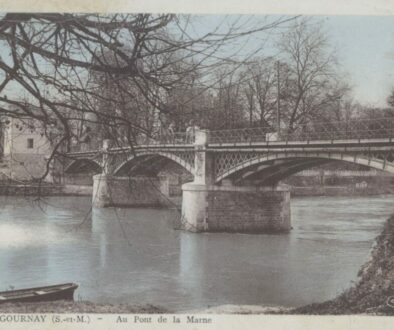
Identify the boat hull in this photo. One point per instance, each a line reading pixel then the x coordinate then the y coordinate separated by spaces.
pixel 49 293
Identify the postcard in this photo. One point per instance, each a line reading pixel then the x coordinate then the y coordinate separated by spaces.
pixel 196 165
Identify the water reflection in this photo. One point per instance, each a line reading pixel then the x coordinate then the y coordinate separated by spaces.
pixel 134 255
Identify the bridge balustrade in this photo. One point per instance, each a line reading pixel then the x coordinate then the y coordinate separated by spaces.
pixel 339 130
pixel 312 131
pixel 168 139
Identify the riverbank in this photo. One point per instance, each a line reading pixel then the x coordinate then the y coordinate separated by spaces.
pixel 374 291
pixel 349 190
pixel 45 189
pixel 63 306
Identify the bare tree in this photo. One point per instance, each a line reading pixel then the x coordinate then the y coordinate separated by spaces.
pixel 54 60
pixel 260 91
pixel 311 71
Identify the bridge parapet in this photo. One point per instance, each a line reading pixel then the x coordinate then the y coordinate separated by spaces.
pixel 168 139
pixel 375 128
pixel 361 129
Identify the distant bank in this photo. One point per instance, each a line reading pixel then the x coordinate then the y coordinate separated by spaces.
pixel 305 183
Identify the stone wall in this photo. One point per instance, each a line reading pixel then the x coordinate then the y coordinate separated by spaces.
pixel 235 209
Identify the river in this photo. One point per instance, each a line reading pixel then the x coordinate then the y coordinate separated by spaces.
pixel 134 256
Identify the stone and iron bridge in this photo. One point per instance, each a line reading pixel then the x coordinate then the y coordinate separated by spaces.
pixel 236 172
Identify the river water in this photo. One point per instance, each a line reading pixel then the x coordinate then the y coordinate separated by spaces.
pixel 134 256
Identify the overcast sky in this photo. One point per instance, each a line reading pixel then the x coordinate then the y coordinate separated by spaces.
pixel 365 47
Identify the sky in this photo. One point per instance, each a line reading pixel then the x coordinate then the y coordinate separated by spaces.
pixel 365 50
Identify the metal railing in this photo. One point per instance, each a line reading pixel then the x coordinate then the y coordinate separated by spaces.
pixel 340 130
pixel 255 134
pixel 168 139
pixel 313 131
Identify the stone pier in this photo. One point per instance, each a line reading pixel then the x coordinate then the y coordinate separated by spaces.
pixel 241 209
pixel 129 191
pixel 139 191
pixel 209 207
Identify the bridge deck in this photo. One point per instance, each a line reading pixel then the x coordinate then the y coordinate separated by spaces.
pixel 279 146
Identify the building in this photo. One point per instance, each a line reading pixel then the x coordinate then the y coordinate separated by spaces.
pixel 25 149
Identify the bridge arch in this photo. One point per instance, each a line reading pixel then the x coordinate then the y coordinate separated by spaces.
pixel 291 163
pixel 81 165
pixel 152 157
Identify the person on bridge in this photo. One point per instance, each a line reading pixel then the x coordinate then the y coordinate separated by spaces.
pixel 191 131
pixel 171 133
